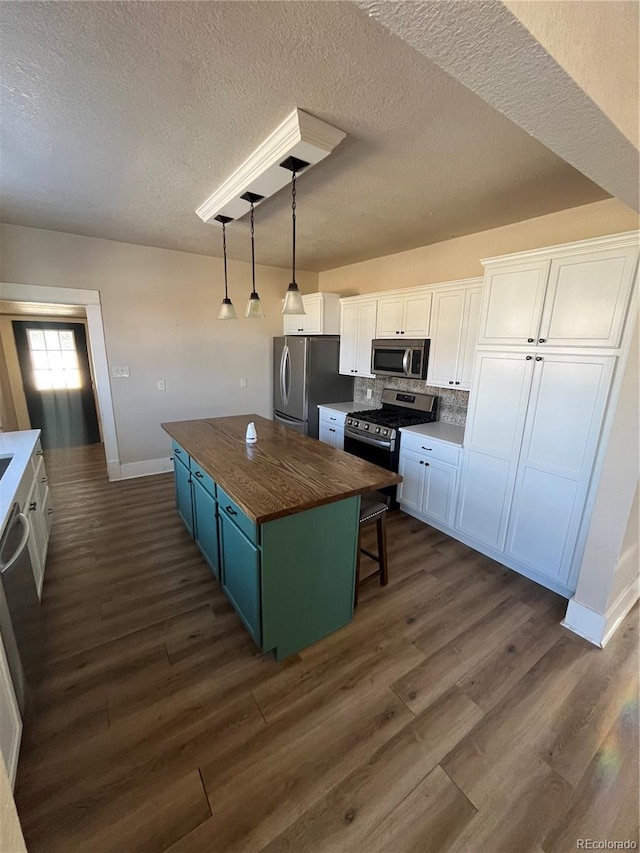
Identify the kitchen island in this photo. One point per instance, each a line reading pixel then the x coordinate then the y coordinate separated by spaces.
pixel 277 522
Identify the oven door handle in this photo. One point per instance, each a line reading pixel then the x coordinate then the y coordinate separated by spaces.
pixel 367 439
pixel 405 362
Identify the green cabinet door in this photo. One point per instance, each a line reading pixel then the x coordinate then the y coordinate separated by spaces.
pixel 206 526
pixel 184 501
pixel 241 575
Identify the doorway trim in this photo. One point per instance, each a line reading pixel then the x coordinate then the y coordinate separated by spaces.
pixel 90 299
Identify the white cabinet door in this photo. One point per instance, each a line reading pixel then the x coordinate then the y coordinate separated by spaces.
pixel 448 309
pixel 366 332
pixel 493 436
pixel 587 298
pixel 10 720
pixel 567 405
pixel 293 324
pixel 416 317
pixel 349 337
pixel 332 434
pixel 469 337
pixel 411 468
pixel 312 320
pixel 439 491
pixel 324 433
pixel 390 313
pixel 512 304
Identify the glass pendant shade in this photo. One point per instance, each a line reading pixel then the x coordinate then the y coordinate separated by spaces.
pixel 293 303
pixel 227 311
pixel 254 308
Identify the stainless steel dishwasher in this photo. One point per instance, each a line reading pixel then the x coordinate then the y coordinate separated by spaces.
pixel 20 618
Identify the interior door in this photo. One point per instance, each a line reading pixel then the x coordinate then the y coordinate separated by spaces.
pixel 54 363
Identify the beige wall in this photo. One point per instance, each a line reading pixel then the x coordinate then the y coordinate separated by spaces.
pixel 460 257
pixel 605 570
pixel 159 311
pixel 11 840
pixel 596 43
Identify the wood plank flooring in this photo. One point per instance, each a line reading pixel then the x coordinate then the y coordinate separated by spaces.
pixel 453 714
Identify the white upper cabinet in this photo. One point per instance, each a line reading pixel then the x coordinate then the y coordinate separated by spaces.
pixel 454 331
pixel 322 316
pixel 357 330
pixel 405 313
pixel 578 298
pixel 587 298
pixel 512 305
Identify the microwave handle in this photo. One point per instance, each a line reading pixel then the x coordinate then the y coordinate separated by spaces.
pixel 405 361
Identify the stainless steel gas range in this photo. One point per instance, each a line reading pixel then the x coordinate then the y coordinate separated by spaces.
pixel 374 434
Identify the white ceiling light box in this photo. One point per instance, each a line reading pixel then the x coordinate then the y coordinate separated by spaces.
pixel 300 135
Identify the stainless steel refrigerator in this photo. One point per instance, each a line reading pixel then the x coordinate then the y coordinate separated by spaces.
pixel 305 374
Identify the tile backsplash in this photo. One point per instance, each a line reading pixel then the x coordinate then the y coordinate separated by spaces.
pixel 452 403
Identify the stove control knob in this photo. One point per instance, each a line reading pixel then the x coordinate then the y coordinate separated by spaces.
pixel 366 426
pixel 349 421
pixel 356 423
pixel 385 432
pixel 377 429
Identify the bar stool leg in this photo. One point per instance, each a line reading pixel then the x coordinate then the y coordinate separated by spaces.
pixel 355 597
pixel 382 549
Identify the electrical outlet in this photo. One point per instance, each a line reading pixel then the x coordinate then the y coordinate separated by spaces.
pixel 120 372
pixel 368 393
pixel 243 383
pixel 162 385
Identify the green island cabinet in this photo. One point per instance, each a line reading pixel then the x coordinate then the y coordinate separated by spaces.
pixel 290 580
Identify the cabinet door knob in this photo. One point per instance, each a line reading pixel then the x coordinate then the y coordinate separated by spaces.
pixel 426 464
pixel 331 429
pixel 33 506
pixel 199 475
pixel 457 383
pixel 541 340
pixel 426 448
pixel 402 333
pixel 50 510
pixel 39 452
pixel 538 358
pixel 529 340
pixel 177 451
pixel 451 382
pixel 230 510
pixel 421 462
pixel 529 357
pixel 44 480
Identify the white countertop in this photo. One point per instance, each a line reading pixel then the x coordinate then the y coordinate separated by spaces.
pixel 18 445
pixel 350 406
pixel 439 430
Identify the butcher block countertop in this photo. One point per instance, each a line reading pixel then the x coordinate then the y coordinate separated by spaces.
pixel 283 473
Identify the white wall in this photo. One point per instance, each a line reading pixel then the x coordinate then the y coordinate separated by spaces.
pixel 159 310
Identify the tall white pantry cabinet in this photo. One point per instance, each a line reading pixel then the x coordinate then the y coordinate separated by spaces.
pixel 551 336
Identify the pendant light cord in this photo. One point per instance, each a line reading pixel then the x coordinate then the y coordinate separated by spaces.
pixel 224 254
pixel 253 256
pixel 293 220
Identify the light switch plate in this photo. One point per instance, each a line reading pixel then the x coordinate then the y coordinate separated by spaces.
pixel 120 372
pixel 162 385
pixel 243 383
pixel 368 393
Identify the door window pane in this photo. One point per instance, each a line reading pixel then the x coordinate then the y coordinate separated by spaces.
pixel 54 359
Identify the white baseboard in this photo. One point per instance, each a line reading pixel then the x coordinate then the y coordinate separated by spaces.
pixel 599 628
pixel 585 622
pixel 139 469
pixel 620 608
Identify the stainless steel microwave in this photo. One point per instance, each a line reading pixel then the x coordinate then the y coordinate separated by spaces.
pixel 408 358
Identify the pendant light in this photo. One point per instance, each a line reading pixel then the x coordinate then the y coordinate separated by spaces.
pixel 227 311
pixel 254 306
pixel 293 303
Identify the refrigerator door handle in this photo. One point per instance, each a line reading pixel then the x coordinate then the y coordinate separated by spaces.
pixel 286 375
pixel 26 530
pixel 283 358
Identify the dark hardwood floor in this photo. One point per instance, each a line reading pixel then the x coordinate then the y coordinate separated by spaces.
pixel 453 714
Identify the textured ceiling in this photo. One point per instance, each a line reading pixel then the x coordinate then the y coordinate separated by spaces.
pixel 119 119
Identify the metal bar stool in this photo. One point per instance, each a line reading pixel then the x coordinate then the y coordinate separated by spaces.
pixel 372 510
